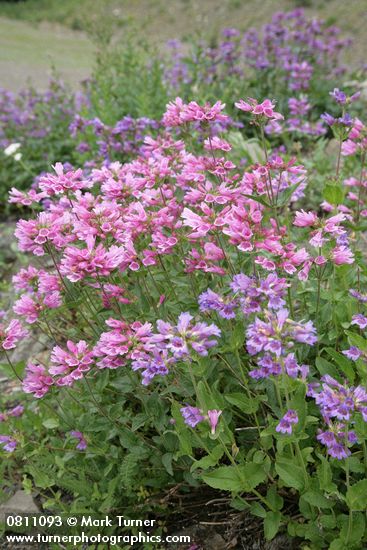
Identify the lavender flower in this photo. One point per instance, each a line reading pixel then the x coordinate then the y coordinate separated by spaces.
pixel 337 440
pixel 253 292
pixel 359 320
pixel 192 415
pixel 210 300
pixel 154 364
pixel 180 338
pixel 82 445
pixel 9 443
pixel 285 425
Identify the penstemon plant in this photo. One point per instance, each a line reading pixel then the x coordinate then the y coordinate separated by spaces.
pixel 201 326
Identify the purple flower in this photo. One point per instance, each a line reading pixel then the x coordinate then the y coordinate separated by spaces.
pixel 336 440
pixel 180 338
pixel 340 401
pixel 359 320
pixel 253 292
pixel 210 300
pixel 154 364
pixel 16 411
pixel 268 367
pixel 285 425
pixel 277 333
pixel 82 445
pixel 352 353
pixel 192 415
pixel 9 444
pixel 329 119
pixel 361 297
pixel 339 96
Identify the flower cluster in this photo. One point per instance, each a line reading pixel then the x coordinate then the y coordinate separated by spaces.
pixel 273 338
pixel 193 416
pixel 338 404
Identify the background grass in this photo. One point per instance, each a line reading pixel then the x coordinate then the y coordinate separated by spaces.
pixel 36 35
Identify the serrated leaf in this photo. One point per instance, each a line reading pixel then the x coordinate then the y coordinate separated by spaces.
pixel 226 478
pixel 317 499
pixel 333 194
pixel 238 479
pixel 290 473
pixel 245 404
pixel 325 367
pixel 356 340
pixel 356 497
pixel 210 460
pixel 343 363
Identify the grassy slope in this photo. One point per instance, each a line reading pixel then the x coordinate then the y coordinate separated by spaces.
pixel 29 51
pixel 27 47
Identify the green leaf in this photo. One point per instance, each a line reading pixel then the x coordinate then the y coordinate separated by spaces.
pixel 356 340
pixel 238 479
pixel 182 431
pixel 167 463
pixel 209 460
pixel 337 544
pixel 253 475
pixel 275 500
pixel 272 524
pixel 287 193
pixel 317 499
pixel 357 496
pixel 237 336
pixel 51 423
pixel 257 510
pixel 42 479
pixel 324 367
pixel 244 403
pixel 226 478
pixel 354 534
pixel 138 421
pixel 343 363
pixel 333 194
pixel 257 199
pixel 290 473
pixel 324 475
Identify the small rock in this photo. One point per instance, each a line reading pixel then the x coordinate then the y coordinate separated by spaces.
pixel 19 503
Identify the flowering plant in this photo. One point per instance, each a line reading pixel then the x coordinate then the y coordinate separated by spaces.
pixel 194 319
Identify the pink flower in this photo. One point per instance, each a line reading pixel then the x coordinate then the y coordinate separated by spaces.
pixel 216 143
pixel 208 113
pixel 174 110
pixel 37 380
pixel 71 364
pixel 305 219
pixel 63 182
pixel 21 198
pixel 10 335
pixel 266 108
pixel 34 235
pixel 31 307
pixel 342 255
pixel 93 261
pixel 121 343
pixel 213 417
